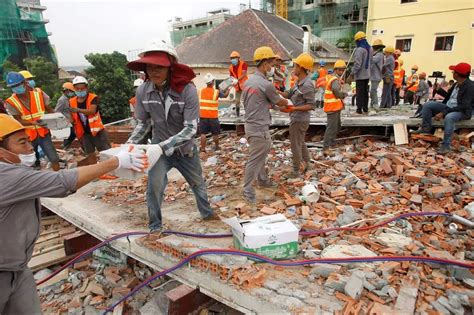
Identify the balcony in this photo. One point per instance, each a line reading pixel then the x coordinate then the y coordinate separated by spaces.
pixel 31 4
pixel 326 2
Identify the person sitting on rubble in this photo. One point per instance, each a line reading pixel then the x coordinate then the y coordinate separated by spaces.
pixel 169 99
pixel 333 105
pixel 421 94
pixel 258 96
pixel 209 112
pixel 87 120
pixel 302 96
pixel 20 209
pixel 456 106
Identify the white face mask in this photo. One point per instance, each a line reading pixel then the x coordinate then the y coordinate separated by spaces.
pixel 27 159
pixel 271 72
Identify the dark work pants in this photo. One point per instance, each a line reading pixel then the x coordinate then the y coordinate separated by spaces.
pixel 332 129
pixel 362 92
pixel 72 135
pixel 18 293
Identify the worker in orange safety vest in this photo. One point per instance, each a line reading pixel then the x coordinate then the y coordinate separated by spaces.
pixel 209 112
pixel 238 70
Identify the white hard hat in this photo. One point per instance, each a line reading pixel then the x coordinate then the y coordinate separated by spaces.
pixel 79 80
pixel 159 45
pixel 209 78
pixel 137 82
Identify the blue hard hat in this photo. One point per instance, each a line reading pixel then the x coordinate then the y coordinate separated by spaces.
pixel 14 78
pixel 322 63
pixel 330 71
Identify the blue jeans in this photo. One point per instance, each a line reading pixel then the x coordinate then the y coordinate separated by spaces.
pixel 190 168
pixel 47 146
pixel 432 108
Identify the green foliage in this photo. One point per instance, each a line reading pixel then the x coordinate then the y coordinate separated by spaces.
pixel 46 77
pixel 109 78
pixel 346 43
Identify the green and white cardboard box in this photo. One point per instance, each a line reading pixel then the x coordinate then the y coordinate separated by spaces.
pixel 273 236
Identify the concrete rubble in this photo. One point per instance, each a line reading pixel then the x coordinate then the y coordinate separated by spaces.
pixel 364 183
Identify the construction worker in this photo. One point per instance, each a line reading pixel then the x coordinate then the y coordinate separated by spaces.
pixel 361 70
pixel 397 77
pixel 333 105
pixel 412 85
pixel 258 97
pixel 28 105
pixel 63 107
pixel 376 71
pixel 209 112
pixel 280 75
pixel 169 100
pixel 388 77
pixel 302 96
pixel 30 78
pixel 238 70
pixel 132 102
pixel 320 88
pixel 20 209
pixel 87 120
pixel 322 70
pixel 457 105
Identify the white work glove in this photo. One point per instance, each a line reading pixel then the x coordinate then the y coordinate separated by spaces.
pixel 153 153
pixel 136 161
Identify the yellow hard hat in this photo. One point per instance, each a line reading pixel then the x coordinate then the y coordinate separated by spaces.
pixel 389 49
pixel 378 42
pixel 359 35
pixel 340 64
pixel 400 61
pixel 8 125
pixel 305 61
pixel 263 52
pixel 68 86
pixel 277 56
pixel 415 67
pixel 26 74
pixel 234 54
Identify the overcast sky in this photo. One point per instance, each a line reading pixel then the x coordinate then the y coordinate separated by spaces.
pixel 80 27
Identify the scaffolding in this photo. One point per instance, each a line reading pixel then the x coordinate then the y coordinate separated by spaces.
pixel 22 32
pixel 335 21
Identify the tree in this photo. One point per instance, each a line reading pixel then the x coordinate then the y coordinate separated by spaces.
pixel 110 79
pixel 46 76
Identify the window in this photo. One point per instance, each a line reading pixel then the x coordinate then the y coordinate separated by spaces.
pixel 444 43
pixel 403 44
pixel 309 1
pixel 407 1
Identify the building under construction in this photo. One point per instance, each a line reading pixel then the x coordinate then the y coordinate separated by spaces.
pixel 334 21
pixel 23 32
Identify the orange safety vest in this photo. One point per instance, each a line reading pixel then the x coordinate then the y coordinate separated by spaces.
pixel 208 104
pixel 397 75
pixel 415 86
pixel 293 79
pixel 321 82
pixel 95 121
pixel 36 111
pixel 331 102
pixel 323 72
pixel 133 101
pixel 237 75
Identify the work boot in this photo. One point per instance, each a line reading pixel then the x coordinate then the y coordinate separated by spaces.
pixel 212 217
pixel 294 174
pixel 250 199
pixel 443 150
pixel 421 131
pixel 307 167
pixel 267 184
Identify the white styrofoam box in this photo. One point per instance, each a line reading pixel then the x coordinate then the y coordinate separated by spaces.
pixel 56 121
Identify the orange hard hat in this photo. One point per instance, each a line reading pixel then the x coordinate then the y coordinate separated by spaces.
pixel 422 75
pixel 415 67
pixel 9 125
pixel 68 86
pixel 234 54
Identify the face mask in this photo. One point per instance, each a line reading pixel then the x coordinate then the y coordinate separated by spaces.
pixel 27 159
pixel 413 71
pixel 234 61
pixel 19 89
pixel 70 94
pixel 81 93
pixel 32 83
pixel 271 72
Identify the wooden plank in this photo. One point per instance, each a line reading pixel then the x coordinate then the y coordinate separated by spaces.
pixel 48 259
pixel 39 251
pixel 401 133
pixel 47 237
pixel 50 220
pixel 49 243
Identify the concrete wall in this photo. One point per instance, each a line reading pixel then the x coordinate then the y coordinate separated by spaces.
pixel 422 21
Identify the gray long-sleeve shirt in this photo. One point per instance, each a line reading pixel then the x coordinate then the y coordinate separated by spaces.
pixel 359 70
pixel 423 89
pixel 376 67
pixel 389 66
pixel 20 209
pixel 63 107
